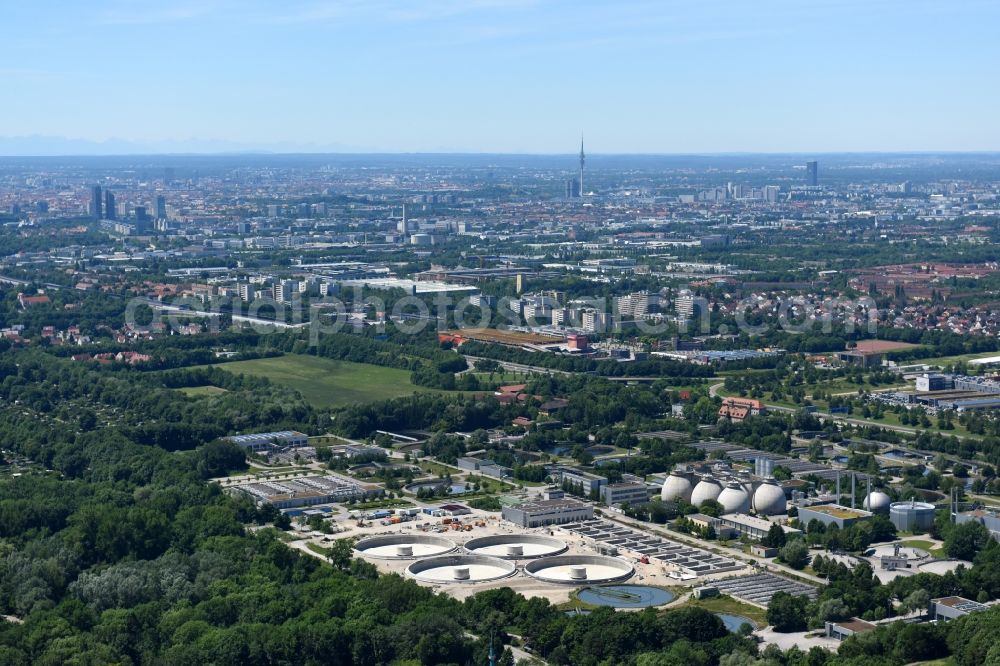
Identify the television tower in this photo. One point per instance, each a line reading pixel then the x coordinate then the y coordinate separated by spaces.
pixel 583 159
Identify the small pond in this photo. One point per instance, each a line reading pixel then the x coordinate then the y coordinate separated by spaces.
pixel 456 488
pixel 734 622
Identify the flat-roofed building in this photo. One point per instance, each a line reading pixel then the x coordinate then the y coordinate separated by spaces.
pixel 841 631
pixel 988 518
pixel 625 493
pixel 952 608
pixel 704 522
pixel 586 482
pixel 305 491
pixel 832 514
pixel 265 441
pixel 751 526
pixel 547 512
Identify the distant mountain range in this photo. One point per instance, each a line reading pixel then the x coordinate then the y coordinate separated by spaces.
pixel 40 146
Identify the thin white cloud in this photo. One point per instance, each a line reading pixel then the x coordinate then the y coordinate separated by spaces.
pixel 391 10
pixel 155 15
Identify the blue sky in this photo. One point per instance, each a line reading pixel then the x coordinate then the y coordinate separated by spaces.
pixel 507 75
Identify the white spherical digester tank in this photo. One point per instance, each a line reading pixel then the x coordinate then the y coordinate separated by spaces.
pixel 769 499
pixel 707 489
pixel 676 488
pixel 734 499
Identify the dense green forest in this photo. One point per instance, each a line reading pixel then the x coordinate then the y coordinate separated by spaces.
pixel 124 554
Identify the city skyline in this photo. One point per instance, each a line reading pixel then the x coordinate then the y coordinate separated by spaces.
pixel 500 77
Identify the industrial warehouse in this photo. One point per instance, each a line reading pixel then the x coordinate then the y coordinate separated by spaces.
pixel 304 491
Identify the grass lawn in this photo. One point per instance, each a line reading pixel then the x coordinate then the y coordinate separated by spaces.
pixel 888 417
pixel 328 440
pixel 379 504
pixel 918 543
pixel 948 360
pixel 198 391
pixel 316 548
pixel 935 551
pixel 436 468
pixel 892 418
pixel 325 382
pixel 726 604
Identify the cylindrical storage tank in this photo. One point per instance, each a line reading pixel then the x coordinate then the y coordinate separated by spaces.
pixel 877 502
pixel 734 499
pixel 769 499
pixel 676 488
pixel 707 489
pixel 912 516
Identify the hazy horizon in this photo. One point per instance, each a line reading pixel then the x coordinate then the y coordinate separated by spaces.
pixel 499 76
pixel 140 150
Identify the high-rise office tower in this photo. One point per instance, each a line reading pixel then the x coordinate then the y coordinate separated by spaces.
pixel 96 203
pixel 582 162
pixel 109 205
pixel 142 221
pixel 572 188
pixel 812 173
pixel 161 207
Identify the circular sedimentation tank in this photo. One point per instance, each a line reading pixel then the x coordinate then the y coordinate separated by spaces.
pixel 578 569
pixel 460 569
pixel 940 567
pixel 625 596
pixel 516 546
pixel 404 546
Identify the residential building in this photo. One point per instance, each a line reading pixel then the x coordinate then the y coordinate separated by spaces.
pixel 738 409
pixel 245 291
pixel 593 321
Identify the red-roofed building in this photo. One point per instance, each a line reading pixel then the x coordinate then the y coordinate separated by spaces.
pixel 737 409
pixel 27 301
